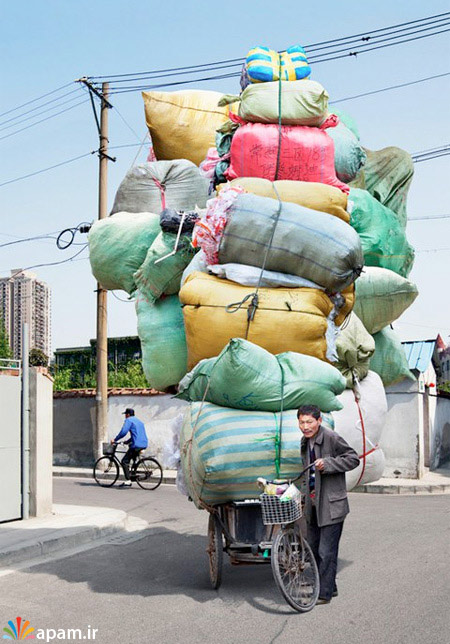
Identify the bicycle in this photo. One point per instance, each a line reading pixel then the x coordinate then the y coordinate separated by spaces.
pixel 146 471
pixel 248 528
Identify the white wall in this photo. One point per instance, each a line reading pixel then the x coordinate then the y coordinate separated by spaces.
pixel 41 443
pixel 402 438
pixel 440 434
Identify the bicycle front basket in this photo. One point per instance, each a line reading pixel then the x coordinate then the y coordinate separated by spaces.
pixel 108 449
pixel 275 511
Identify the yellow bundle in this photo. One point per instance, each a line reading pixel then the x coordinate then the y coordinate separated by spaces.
pixel 285 320
pixel 317 196
pixel 183 124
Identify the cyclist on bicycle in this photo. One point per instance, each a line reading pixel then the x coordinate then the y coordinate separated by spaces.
pixel 137 442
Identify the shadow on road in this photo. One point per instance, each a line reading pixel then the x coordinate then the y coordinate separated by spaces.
pixel 166 562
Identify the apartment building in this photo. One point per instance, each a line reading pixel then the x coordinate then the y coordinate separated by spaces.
pixel 25 298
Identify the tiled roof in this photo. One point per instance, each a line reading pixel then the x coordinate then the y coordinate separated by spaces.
pixel 112 391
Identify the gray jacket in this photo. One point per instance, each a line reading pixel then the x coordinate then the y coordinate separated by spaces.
pixel 331 492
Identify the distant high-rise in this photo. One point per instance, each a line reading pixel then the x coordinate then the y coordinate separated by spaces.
pixel 24 298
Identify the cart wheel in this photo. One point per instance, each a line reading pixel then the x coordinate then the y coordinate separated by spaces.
pixel 215 551
pixel 294 569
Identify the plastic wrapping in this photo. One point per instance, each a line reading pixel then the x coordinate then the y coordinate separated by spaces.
pixel 170 220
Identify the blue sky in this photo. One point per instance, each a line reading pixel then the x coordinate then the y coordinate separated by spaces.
pixel 51 43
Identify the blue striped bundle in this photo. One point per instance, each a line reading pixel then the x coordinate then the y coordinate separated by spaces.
pixel 224 451
pixel 263 65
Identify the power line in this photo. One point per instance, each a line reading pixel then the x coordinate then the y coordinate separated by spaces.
pixel 202 66
pixel 45 119
pixel 57 165
pixel 429 217
pixel 386 89
pixel 34 116
pixel 39 107
pixel 34 100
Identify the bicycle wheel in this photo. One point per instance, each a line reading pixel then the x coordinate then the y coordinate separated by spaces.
pixel 215 551
pixel 148 473
pixel 295 570
pixel 106 471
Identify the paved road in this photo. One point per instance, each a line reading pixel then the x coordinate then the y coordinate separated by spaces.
pixel 394 579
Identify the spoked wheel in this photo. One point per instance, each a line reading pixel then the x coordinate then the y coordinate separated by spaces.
pixel 295 569
pixel 148 473
pixel 106 471
pixel 215 551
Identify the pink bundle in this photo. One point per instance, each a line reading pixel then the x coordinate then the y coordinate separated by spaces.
pixel 306 153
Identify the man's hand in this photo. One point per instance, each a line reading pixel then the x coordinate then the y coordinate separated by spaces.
pixel 319 464
pixel 113 442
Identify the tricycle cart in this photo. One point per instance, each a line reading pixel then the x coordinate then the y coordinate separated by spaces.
pixel 265 530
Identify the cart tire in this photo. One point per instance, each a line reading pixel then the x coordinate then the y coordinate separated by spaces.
pixel 295 570
pixel 215 551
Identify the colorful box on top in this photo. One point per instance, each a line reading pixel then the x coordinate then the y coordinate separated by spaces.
pixel 263 65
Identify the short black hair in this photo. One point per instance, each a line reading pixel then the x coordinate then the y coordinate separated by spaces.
pixel 309 410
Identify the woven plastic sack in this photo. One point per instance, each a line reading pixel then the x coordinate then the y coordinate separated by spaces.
pixel 361 424
pixel 354 347
pixel 317 196
pixel 349 156
pixel 262 64
pixel 183 124
pixel 162 269
pixel 387 175
pixel 245 376
pixel 163 341
pixel 307 243
pixel 223 451
pixel 381 297
pixel 251 276
pixel 300 313
pixel 118 246
pixel 347 120
pixel 383 237
pixel 151 187
pixel 389 360
pixel 306 154
pixel 302 103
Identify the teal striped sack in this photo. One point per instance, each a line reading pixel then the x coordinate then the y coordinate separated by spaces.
pixel 223 451
pixel 263 65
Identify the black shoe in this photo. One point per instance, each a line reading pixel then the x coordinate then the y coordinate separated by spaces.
pixel 335 593
pixel 322 600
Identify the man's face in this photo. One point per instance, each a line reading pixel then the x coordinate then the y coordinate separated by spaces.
pixel 309 425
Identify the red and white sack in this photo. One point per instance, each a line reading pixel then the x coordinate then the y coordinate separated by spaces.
pixel 361 424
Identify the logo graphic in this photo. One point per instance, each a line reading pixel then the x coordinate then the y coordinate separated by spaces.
pixel 18 631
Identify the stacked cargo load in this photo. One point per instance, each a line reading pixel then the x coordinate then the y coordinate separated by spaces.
pixel 269 261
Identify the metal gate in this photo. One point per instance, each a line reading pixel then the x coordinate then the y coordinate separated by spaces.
pixel 10 441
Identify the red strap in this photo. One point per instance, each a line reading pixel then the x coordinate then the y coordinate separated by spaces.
pixel 363 429
pixel 162 191
pixel 331 121
pixel 236 119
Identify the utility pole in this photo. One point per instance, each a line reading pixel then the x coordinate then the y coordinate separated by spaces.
pixel 101 398
pixel 101 420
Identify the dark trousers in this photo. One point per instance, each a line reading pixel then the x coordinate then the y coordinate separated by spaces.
pixel 131 455
pixel 324 543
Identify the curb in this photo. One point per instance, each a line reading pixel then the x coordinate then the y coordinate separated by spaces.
pixel 106 523
pixel 169 476
pixel 403 489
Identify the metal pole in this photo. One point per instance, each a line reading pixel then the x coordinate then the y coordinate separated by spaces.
pixel 25 423
pixel 101 428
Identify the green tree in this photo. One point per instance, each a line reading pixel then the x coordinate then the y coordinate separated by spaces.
pixel 5 350
pixel 38 358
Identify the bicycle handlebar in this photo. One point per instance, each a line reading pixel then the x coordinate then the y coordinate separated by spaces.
pixel 282 481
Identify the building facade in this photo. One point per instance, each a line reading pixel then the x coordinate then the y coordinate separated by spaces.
pixel 25 298
pixel 121 351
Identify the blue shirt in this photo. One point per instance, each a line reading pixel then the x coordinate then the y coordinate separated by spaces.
pixel 136 428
